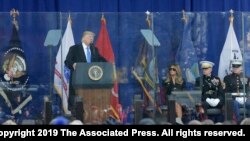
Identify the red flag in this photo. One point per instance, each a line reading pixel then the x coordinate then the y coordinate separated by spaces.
pixel 104 47
pixel 103 43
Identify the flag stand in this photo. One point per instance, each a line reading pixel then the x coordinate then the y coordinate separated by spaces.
pixel 52 39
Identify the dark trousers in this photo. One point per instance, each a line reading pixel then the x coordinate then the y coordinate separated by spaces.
pixel 236 109
pixel 71 100
pixel 214 117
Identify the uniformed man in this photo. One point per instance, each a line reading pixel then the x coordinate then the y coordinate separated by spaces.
pixel 212 91
pixel 238 85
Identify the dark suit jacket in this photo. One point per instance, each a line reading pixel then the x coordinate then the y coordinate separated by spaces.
pixel 234 83
pixel 76 54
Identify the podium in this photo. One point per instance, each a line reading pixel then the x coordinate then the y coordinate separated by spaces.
pixel 190 98
pixel 229 98
pixel 93 83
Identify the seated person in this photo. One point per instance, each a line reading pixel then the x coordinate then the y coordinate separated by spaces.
pixel 174 81
pixel 235 83
pixel 212 90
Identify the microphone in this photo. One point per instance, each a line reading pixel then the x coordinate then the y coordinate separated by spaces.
pixel 91 44
pixel 92 48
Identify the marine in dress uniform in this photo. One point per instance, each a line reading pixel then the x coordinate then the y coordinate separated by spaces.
pixel 212 90
pixel 236 83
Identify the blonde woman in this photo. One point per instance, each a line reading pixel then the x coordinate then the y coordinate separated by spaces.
pixel 174 79
pixel 174 82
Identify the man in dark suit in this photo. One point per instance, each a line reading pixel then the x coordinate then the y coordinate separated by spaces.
pixel 84 52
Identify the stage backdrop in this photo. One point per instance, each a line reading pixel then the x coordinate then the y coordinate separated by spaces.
pixel 204 36
pixel 123 5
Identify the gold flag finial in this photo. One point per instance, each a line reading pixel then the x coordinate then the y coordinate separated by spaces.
pixel 103 18
pixel 184 16
pixel 14 13
pixel 69 19
pixel 231 18
pixel 148 18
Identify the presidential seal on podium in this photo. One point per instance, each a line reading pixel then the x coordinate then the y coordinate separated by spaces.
pixel 95 72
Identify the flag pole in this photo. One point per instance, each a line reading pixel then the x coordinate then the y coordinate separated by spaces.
pixel 243 65
pixel 14 13
pixel 148 19
pixel 231 19
pixel 150 23
pixel 69 19
pixel 184 17
pixel 114 110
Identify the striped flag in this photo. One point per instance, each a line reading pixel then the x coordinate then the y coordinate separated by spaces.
pixel 62 73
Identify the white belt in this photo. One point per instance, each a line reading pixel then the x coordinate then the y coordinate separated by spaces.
pixel 241 100
pixel 238 94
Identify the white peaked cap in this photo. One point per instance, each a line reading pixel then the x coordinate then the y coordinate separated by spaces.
pixel 236 62
pixel 206 64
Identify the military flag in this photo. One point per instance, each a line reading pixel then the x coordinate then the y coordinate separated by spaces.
pixel 105 49
pixel 231 51
pixel 143 67
pixel 145 70
pixel 186 56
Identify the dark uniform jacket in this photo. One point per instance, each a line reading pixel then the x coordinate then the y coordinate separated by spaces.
pixel 211 87
pixel 170 86
pixel 234 83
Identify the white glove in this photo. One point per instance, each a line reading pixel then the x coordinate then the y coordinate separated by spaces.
pixel 240 100
pixel 208 100
pixel 6 77
pixel 213 101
